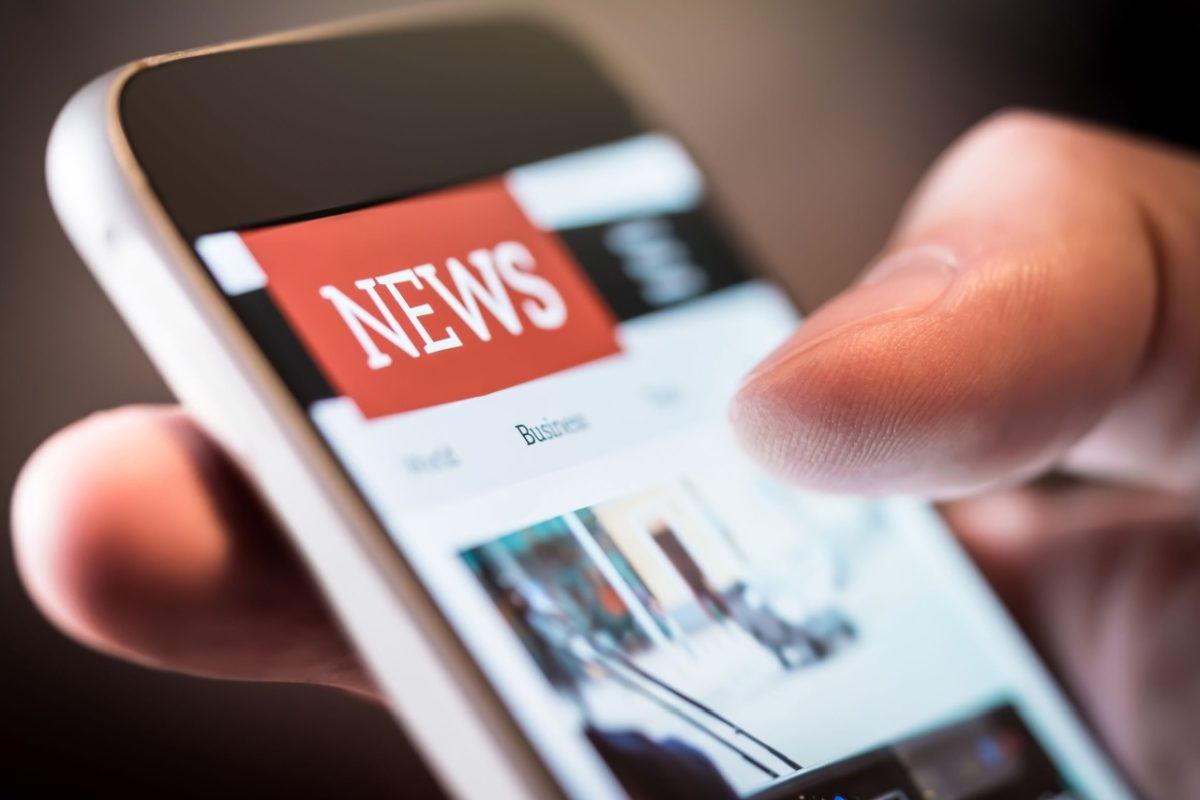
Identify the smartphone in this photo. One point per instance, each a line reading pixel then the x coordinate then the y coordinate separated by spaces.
pixel 468 320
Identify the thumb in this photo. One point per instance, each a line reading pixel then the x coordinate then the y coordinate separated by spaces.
pixel 1033 308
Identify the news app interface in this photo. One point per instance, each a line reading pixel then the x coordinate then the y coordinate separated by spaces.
pixel 527 376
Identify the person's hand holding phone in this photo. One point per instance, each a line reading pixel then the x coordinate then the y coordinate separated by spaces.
pixel 1032 311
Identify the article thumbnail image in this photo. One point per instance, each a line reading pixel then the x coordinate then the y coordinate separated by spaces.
pixel 633 591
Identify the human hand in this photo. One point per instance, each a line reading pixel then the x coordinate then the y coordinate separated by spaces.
pixel 1035 309
pixel 1034 313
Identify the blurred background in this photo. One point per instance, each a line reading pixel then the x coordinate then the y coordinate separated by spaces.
pixel 814 119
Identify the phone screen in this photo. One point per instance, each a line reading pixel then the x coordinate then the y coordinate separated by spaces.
pixel 527 376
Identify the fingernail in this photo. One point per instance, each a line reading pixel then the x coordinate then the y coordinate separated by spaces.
pixel 904 282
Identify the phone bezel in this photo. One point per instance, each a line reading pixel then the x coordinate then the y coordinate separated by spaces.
pixel 237 138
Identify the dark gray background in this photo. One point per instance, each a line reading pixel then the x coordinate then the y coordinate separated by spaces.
pixel 815 120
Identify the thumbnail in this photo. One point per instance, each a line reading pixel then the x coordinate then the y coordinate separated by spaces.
pixel 650 611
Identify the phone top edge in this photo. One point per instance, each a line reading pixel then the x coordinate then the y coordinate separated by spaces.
pixel 371 22
pixel 243 135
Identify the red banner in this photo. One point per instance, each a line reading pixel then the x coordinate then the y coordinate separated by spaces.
pixel 439 298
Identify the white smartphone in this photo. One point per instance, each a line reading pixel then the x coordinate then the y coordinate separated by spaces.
pixel 466 318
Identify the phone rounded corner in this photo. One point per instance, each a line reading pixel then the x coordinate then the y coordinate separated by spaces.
pixel 81 163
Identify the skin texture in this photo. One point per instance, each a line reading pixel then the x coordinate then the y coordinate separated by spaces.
pixel 1033 311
